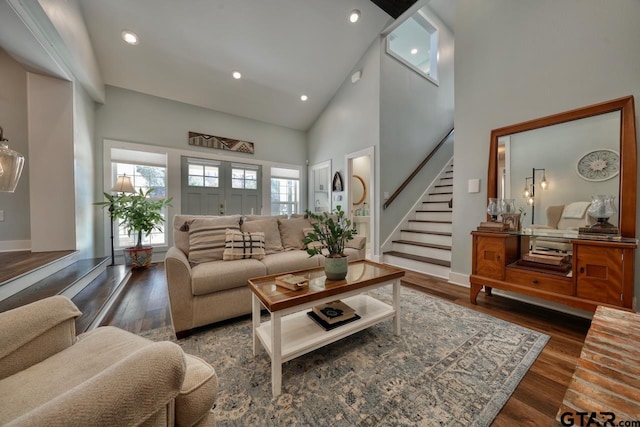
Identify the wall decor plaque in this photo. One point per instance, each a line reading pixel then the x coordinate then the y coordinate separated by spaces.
pixel 220 143
pixel 598 165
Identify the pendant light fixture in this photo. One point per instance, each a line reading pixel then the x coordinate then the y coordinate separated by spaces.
pixel 11 163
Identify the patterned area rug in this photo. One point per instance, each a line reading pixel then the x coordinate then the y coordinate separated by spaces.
pixel 451 366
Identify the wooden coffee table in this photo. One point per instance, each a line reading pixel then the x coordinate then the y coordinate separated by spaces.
pixel 291 333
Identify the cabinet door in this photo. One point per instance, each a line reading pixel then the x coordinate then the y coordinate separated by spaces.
pixel 490 257
pixel 599 274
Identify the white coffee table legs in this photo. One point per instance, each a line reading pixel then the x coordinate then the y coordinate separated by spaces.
pixel 396 306
pixel 276 358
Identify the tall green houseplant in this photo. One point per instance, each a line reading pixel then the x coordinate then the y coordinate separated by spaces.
pixel 138 214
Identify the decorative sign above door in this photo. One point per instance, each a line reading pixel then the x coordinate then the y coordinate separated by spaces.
pixel 221 143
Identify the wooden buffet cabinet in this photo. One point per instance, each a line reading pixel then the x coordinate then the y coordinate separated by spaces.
pixel 601 271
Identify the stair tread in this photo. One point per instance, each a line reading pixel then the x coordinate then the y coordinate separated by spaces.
pixel 96 294
pixel 444 185
pixel 442 201
pixel 438 194
pixel 51 285
pixel 424 245
pixel 437 233
pixel 435 211
pixel 446 177
pixel 419 258
pixel 431 221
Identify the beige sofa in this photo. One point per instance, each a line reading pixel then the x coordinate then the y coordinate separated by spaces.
pixel 562 220
pixel 207 290
pixel 105 377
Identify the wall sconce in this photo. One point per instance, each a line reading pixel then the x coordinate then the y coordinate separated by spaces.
pixel 11 163
pixel 529 192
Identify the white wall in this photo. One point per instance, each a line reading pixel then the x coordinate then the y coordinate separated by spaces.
pixel 519 60
pixel 415 115
pixel 85 170
pixel 14 230
pixel 51 176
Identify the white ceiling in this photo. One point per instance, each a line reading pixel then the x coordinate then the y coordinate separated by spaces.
pixel 188 50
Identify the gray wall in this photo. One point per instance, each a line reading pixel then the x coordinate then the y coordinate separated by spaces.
pixel 14 230
pixel 135 117
pixel 518 60
pixel 415 115
pixel 351 121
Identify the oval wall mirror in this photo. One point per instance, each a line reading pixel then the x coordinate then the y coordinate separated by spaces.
pixel 358 190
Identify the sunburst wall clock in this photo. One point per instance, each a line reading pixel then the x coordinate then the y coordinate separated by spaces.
pixel 599 165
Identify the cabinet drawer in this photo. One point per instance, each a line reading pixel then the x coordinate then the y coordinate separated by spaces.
pixel 545 282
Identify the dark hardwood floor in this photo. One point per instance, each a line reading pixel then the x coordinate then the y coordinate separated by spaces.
pixel 144 305
pixel 14 264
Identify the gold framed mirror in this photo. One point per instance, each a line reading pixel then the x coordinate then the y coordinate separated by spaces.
pixel 625 134
pixel 358 190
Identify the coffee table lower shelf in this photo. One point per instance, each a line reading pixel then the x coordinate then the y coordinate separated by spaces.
pixel 300 334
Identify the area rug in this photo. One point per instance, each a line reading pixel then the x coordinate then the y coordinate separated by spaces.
pixel 450 366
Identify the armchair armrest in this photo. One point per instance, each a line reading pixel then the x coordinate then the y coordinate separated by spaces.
pixel 178 273
pixel 36 331
pixel 359 243
pixel 127 393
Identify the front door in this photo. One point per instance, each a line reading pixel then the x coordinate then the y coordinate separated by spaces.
pixel 211 187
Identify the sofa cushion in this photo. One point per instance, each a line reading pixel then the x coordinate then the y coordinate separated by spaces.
pixel 260 217
pixel 198 392
pixel 217 276
pixel 269 226
pixel 292 232
pixel 311 245
pixel 181 224
pixel 207 237
pixel 239 245
pixel 289 261
pixel 351 253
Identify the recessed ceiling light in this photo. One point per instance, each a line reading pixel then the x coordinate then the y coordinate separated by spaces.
pixel 130 37
pixel 237 75
pixel 414 51
pixel 303 97
pixel 354 15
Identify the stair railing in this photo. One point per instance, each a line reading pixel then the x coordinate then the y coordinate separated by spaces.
pixel 417 170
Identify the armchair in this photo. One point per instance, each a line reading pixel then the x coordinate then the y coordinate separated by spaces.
pixel 105 377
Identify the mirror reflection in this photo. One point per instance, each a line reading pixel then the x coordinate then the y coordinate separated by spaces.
pixel 552 172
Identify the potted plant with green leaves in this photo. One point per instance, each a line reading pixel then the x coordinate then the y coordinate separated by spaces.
pixel 331 232
pixel 138 213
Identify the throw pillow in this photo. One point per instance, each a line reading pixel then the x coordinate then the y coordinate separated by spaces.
pixel 291 232
pixel 269 226
pixel 311 245
pixel 239 245
pixel 207 237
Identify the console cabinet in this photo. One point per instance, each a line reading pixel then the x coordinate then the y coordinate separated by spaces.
pixel 601 271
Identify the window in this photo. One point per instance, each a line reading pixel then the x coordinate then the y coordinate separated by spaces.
pixel 285 191
pixel 242 177
pixel 147 170
pixel 204 175
pixel 414 42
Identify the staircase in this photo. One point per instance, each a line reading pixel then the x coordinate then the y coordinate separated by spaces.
pixel 423 242
pixel 89 283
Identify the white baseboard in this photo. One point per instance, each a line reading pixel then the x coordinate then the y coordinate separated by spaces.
pixel 15 245
pixel 459 279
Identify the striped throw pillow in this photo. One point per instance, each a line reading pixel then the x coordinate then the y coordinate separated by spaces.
pixel 243 245
pixel 207 236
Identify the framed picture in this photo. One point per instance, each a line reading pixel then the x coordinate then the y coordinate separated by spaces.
pixel 337 182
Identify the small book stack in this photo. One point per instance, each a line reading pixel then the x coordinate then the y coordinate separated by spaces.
pixel 333 314
pixel 493 226
pixel 612 233
pixel 292 282
pixel 546 260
